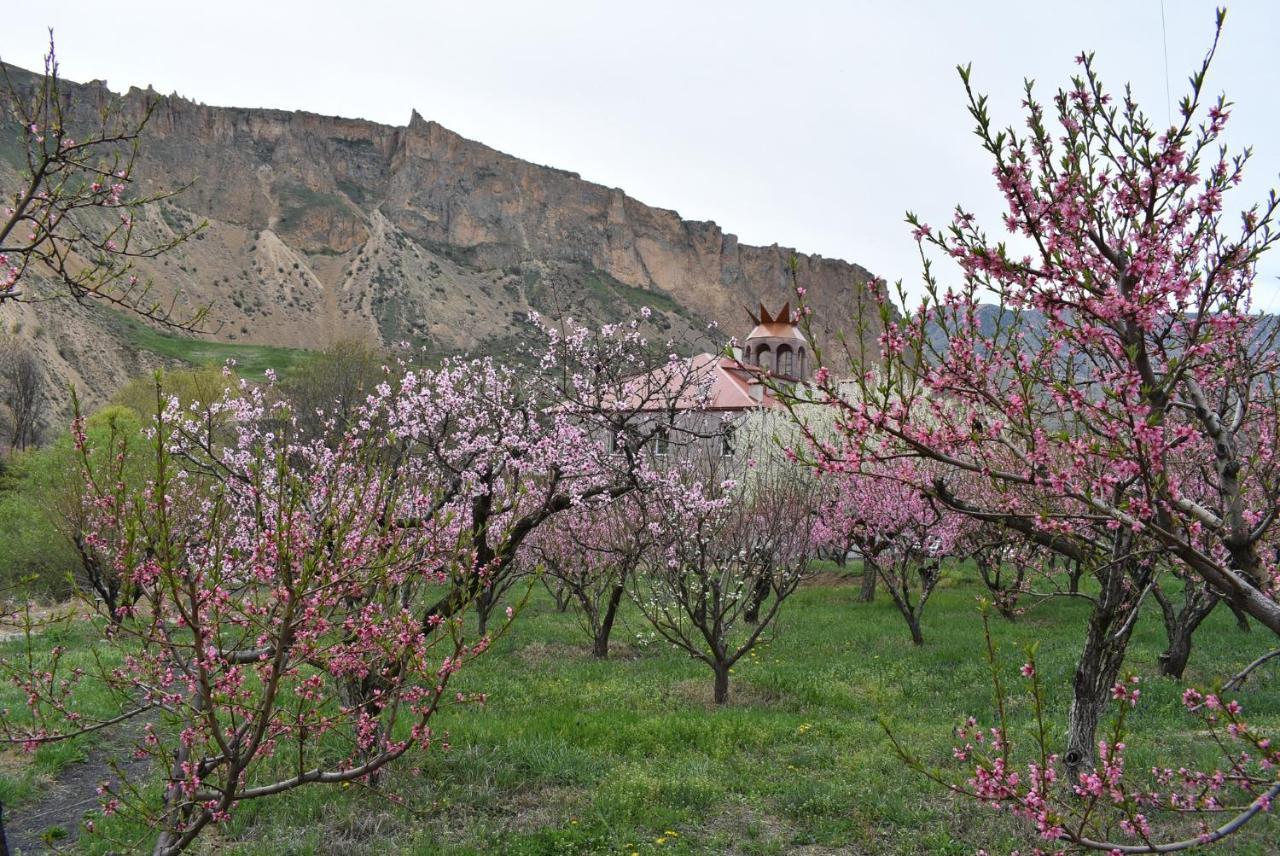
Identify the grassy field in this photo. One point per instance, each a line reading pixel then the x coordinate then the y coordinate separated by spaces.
pixel 571 755
pixel 252 361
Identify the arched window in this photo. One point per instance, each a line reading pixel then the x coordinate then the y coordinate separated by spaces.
pixel 764 357
pixel 800 365
pixel 786 361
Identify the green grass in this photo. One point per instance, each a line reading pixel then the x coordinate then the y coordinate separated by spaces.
pixel 608 290
pixel 571 755
pixel 252 361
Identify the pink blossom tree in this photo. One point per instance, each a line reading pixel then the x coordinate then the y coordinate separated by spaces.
pixel 1097 382
pixel 1120 372
pixel 297 597
pixel 611 395
pixel 590 554
pixel 728 530
pixel 902 533
pixel 1002 561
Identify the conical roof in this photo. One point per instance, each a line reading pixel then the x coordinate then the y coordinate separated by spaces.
pixel 776 326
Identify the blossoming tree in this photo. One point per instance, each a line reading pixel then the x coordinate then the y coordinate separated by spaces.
pixel 297 597
pixel 902 534
pixel 734 536
pixel 590 554
pixel 1101 370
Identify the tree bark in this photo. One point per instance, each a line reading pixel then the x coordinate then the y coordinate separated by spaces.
pixel 1099 666
pixel 1180 624
pixel 759 592
pixel 482 616
pixel 917 637
pixel 600 646
pixel 868 591
pixel 1075 570
pixel 721 682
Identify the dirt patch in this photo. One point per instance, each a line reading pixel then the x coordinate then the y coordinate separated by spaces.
pixel 834 579
pixel 545 653
pixel 54 819
pixel 701 693
pixel 743 824
pixel 531 810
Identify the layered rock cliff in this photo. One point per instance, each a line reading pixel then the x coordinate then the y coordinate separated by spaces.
pixel 321 228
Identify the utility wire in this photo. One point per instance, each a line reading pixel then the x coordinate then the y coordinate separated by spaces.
pixel 1168 98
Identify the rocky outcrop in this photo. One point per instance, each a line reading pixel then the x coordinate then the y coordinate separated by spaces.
pixel 321 227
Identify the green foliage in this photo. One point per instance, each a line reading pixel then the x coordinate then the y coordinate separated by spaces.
pixel 35 557
pixel 251 361
pixel 40 503
pixel 335 380
pixel 296 200
pixel 198 386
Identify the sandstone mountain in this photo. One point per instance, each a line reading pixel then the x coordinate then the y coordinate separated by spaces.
pixel 322 228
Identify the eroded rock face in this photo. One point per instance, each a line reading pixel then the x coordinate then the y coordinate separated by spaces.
pixel 321 228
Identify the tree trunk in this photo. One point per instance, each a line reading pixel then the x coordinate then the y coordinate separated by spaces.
pixel 1098 666
pixel 600 646
pixel 756 599
pixel 722 682
pixel 1180 624
pixel 559 593
pixel 484 605
pixel 868 591
pixel 913 621
pixel 175 814
pixel 1096 674
pixel 1075 570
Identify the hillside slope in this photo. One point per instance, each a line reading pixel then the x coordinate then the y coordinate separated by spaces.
pixel 321 228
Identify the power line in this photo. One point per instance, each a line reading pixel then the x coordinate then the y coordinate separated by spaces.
pixel 1168 97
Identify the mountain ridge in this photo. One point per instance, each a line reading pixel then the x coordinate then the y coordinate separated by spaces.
pixel 323 227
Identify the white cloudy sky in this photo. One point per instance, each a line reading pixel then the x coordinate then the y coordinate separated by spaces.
pixel 809 124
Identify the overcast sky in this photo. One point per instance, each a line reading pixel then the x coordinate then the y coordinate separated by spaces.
pixel 809 124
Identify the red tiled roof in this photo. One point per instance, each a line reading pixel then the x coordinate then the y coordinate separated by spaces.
pixel 727 384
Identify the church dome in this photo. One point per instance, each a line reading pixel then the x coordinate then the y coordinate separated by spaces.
pixel 776 344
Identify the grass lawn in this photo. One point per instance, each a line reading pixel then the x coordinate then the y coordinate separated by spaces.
pixel 571 755
pixel 252 361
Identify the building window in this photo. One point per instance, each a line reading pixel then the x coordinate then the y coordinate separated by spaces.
pixel 662 441
pixel 764 359
pixel 786 363
pixel 726 443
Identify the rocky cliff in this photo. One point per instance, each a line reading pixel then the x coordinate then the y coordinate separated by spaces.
pixel 321 228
